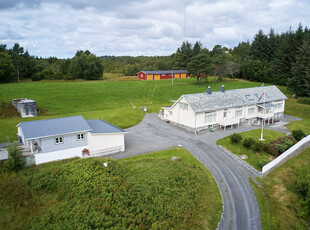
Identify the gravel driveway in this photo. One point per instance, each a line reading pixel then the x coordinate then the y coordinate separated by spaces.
pixel 240 206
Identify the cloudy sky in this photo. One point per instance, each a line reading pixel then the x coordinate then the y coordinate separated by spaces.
pixel 141 27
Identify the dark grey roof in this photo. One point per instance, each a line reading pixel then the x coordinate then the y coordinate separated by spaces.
pixel 164 71
pixel 101 126
pixel 203 102
pixel 53 127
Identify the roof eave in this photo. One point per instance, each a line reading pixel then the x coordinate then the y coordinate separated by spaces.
pixel 60 134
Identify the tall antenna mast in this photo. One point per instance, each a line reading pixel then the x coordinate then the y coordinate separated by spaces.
pixel 184 29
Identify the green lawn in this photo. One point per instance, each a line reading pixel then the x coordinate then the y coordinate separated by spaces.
pixel 253 157
pixel 143 192
pixel 109 100
pixel 277 196
pixel 292 107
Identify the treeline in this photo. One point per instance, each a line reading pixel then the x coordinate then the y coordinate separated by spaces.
pixel 130 66
pixel 17 64
pixel 282 59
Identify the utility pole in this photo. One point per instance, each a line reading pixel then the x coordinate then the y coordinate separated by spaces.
pixel 17 72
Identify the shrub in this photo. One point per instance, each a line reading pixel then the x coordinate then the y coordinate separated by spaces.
pixel 280 148
pixel 269 148
pixel 304 100
pixel 235 138
pixel 262 163
pixel 15 158
pixel 298 134
pixel 258 146
pixel 248 142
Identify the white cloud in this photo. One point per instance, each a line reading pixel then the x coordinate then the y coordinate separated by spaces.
pixel 136 27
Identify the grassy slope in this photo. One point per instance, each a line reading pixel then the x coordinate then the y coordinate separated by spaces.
pixel 253 157
pixel 109 100
pixel 144 192
pixel 277 197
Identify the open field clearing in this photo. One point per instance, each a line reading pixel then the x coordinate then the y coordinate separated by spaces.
pixel 144 192
pixel 113 101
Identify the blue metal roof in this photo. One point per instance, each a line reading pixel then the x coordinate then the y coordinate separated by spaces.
pixel 53 127
pixel 165 71
pixel 101 126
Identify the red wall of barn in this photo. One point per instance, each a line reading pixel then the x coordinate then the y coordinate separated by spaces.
pixel 142 76
pixel 165 76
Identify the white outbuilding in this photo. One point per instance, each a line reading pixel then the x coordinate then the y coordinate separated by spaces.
pixel 67 137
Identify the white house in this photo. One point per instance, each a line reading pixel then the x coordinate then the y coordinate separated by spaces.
pixel 67 137
pixel 210 110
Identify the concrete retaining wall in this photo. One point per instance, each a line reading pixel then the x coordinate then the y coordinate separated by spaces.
pixel 291 152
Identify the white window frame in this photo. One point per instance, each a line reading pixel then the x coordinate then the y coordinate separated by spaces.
pixel 183 106
pixel 59 140
pixel 239 112
pixel 251 111
pixel 80 136
pixel 210 116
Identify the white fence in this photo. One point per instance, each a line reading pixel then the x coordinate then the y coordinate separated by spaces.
pixel 107 151
pixel 291 152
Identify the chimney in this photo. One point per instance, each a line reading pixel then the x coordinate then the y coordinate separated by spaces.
pixel 222 89
pixel 209 90
pixel 262 85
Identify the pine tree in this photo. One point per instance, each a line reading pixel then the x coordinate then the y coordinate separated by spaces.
pixel 300 81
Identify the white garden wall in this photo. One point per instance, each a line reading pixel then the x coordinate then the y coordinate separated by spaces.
pixel 291 152
pixel 41 158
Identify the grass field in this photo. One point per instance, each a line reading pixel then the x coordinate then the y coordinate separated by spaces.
pixel 277 196
pixel 109 100
pixel 143 192
pixel 253 157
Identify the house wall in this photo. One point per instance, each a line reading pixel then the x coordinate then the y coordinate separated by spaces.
pixel 180 116
pixel 101 141
pixel 70 141
pixel 20 133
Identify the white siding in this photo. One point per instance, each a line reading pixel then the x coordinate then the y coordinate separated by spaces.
pixel 180 115
pixel 101 141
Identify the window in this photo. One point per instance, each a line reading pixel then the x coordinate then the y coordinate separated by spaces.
pixel 257 95
pixel 251 111
pixel 170 113
pixel 225 113
pixel 249 97
pixel 210 117
pixel 238 112
pixel 59 140
pixel 80 137
pixel 183 106
pixel 278 105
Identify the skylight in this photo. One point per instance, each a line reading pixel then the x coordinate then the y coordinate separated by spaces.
pixel 249 97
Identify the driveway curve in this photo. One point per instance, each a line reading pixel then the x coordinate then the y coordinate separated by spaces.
pixel 240 209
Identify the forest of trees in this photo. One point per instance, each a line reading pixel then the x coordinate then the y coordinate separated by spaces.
pixel 282 59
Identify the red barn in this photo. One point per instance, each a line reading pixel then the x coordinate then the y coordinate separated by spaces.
pixel 162 74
